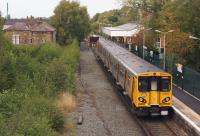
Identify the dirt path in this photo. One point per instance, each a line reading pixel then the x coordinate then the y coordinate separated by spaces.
pixel 103 112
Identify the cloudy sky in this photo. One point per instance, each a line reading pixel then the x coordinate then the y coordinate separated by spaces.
pixel 44 8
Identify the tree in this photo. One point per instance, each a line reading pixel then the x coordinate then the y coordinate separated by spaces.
pixel 1 27
pixel 71 21
pixel 113 19
pixel 95 17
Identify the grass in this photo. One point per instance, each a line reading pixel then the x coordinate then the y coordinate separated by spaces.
pixel 66 102
pixel 33 84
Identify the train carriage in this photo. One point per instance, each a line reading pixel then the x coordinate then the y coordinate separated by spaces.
pixel 148 87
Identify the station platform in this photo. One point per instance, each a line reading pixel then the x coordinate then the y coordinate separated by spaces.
pixel 187 99
pixel 188 108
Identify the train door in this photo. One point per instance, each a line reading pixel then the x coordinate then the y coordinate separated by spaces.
pixel 116 73
pixel 129 84
pixel 132 87
pixel 112 63
pixel 122 76
pixel 109 61
pixel 154 91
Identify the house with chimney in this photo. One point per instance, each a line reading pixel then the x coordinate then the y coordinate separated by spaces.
pixel 29 31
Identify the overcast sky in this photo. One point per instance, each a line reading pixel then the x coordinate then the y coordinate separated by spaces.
pixel 44 8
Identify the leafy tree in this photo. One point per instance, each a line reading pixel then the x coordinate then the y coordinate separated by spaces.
pixel 188 14
pixel 71 21
pixel 96 17
pixel 113 19
pixel 182 16
pixel 1 28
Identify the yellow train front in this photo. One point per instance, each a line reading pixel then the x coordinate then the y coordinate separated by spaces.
pixel 152 94
pixel 147 87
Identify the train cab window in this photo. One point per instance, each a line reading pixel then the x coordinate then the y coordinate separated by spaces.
pixel 143 84
pixel 154 83
pixel 165 84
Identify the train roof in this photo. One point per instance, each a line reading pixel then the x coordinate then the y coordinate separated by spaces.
pixel 133 63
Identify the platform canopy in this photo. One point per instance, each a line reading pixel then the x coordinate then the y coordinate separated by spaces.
pixel 125 30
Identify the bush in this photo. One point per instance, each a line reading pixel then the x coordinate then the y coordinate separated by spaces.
pixel 7 71
pixel 31 79
pixel 57 121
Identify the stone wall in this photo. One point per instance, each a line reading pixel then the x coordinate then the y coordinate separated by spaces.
pixel 28 37
pixel 42 37
pixel 24 36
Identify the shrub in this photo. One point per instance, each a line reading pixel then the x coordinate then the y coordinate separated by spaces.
pixel 66 102
pixel 57 121
pixel 31 79
pixel 7 71
pixel 57 75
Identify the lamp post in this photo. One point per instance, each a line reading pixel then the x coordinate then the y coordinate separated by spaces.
pixel 193 37
pixel 164 38
pixel 144 38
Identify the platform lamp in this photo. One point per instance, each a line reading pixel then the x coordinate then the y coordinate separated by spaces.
pixel 193 37
pixel 164 34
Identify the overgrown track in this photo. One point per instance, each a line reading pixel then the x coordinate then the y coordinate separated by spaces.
pixel 152 126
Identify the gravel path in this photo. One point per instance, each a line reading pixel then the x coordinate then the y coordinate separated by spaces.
pixel 103 112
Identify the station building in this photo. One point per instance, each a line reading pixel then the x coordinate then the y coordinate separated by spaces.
pixel 29 31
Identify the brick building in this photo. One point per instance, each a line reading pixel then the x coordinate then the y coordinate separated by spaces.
pixel 30 31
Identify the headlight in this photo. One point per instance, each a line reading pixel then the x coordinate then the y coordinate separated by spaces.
pixel 167 99
pixel 142 99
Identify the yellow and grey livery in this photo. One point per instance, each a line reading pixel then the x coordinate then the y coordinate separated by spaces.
pixel 148 87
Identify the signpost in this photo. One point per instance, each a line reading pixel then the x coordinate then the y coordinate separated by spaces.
pixel 180 70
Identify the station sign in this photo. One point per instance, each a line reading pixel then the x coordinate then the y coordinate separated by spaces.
pixel 136 48
pixel 179 68
pixel 151 54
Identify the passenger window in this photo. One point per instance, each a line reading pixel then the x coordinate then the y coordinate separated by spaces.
pixel 143 84
pixel 165 84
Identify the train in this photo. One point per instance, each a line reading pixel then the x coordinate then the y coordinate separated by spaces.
pixel 148 88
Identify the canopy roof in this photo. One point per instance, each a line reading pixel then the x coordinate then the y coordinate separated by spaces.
pixel 125 30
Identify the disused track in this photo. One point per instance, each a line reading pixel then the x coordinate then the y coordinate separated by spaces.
pixel 99 105
pixel 84 86
pixel 152 126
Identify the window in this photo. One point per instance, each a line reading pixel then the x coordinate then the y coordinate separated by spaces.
pixel 43 41
pixel 165 84
pixel 15 39
pixel 143 84
pixel 154 83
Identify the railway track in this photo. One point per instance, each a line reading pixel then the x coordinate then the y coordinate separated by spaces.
pixel 155 127
pixel 152 126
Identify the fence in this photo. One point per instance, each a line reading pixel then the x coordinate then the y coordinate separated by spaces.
pixel 189 80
